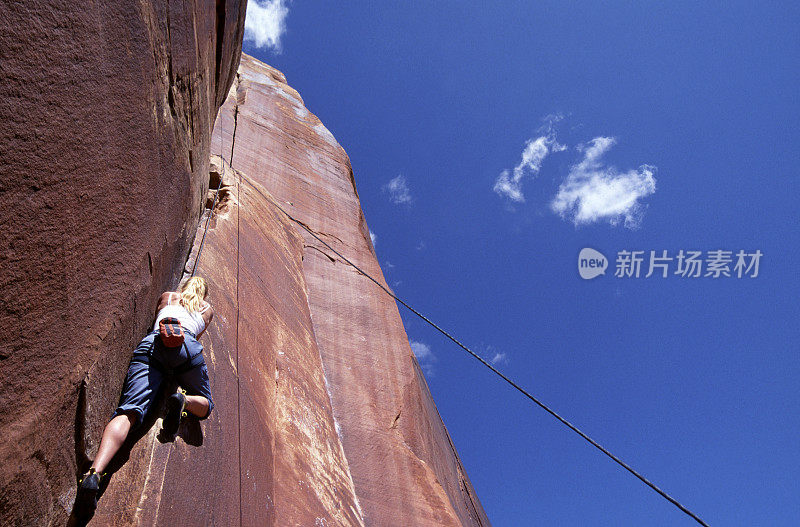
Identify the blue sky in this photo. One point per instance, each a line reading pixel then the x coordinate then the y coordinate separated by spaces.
pixel 623 126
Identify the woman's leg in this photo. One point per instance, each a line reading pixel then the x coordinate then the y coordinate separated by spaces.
pixel 141 385
pixel 114 436
pixel 195 382
pixel 197 405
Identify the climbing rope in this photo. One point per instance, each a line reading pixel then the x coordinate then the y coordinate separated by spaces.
pixel 238 384
pixel 205 229
pixel 194 267
pixel 492 368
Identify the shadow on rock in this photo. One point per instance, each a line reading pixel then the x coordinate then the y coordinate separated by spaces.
pixel 189 430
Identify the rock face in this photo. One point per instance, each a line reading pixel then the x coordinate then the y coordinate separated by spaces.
pixel 403 465
pixel 322 416
pixel 107 111
pixel 270 454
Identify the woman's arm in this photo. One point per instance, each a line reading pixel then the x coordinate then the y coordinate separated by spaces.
pixel 207 312
pixel 163 300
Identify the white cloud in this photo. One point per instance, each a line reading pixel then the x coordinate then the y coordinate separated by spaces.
pixel 594 192
pixel 398 190
pixel 509 183
pixel 549 121
pixel 420 349
pixel 373 237
pixel 499 358
pixel 265 23
pixel 425 356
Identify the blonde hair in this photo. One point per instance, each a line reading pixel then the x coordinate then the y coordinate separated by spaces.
pixel 193 291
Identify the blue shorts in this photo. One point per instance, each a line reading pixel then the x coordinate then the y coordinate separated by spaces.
pixel 152 362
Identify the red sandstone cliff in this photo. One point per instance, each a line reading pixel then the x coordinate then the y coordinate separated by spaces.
pixel 403 465
pixel 322 414
pixel 106 110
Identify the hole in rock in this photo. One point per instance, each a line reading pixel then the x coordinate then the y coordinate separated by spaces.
pixel 224 193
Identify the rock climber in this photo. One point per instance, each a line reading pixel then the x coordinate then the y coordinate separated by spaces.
pixel 156 357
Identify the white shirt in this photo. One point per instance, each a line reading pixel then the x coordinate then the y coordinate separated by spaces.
pixel 192 321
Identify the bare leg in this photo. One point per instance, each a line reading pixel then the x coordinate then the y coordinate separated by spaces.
pixel 113 437
pixel 197 405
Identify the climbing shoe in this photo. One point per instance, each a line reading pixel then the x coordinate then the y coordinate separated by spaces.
pixel 175 405
pixel 88 487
